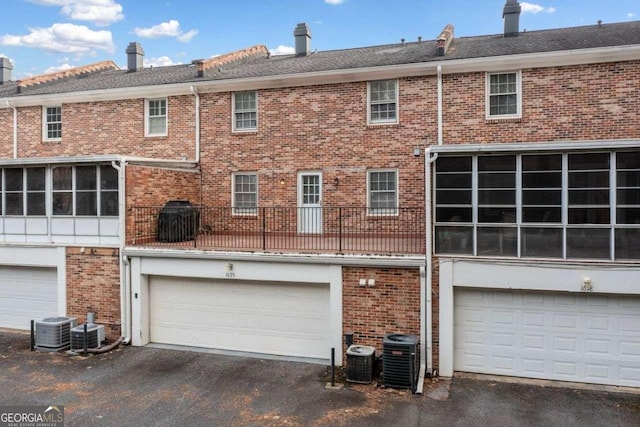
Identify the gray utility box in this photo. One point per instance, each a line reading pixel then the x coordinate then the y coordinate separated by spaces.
pixel 360 363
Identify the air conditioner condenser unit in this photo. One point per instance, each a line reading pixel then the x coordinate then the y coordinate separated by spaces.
pixel 54 333
pixel 95 337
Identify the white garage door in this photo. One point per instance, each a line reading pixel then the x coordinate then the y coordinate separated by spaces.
pixel 273 318
pixel 568 337
pixel 26 294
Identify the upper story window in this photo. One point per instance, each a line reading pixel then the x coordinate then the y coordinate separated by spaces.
pixel 551 205
pixel 84 191
pixel 504 95
pixel 383 101
pixel 23 192
pixel 245 111
pixel 382 192
pixel 156 117
pixel 245 193
pixel 52 123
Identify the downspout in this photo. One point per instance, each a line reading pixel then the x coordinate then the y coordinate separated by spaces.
pixel 429 255
pixel 15 129
pixel 429 226
pixel 125 282
pixel 440 132
pixel 197 130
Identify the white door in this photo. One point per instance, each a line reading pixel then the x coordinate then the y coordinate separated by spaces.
pixel 288 319
pixel 310 202
pixel 27 293
pixel 568 337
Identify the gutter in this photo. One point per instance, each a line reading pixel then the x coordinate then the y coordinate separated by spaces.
pixel 15 129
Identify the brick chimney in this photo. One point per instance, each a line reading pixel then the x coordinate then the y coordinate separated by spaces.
pixel 302 35
pixel 135 56
pixel 511 16
pixel 444 40
pixel 5 70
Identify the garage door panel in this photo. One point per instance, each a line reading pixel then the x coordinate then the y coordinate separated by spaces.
pixel 580 338
pixel 27 293
pixel 273 318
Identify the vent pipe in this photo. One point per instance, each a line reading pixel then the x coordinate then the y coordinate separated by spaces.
pixel 302 35
pixel 511 16
pixel 135 56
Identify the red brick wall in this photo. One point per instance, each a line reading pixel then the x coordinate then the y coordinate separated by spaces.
pixel 93 285
pixel 6 133
pixel 585 102
pixel 322 128
pixel 109 127
pixel 153 187
pixel 391 306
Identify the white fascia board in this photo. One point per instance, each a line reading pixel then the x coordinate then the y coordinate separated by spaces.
pixel 542 59
pixel 495 63
pixel 187 165
pixel 535 146
pixel 59 160
pixel 377 261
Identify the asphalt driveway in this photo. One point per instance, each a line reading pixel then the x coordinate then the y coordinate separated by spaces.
pixel 150 386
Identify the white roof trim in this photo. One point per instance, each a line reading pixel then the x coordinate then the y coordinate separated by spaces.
pixel 535 146
pixel 165 163
pixel 364 260
pixel 449 66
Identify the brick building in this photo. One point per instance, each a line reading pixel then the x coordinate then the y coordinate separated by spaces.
pixel 312 179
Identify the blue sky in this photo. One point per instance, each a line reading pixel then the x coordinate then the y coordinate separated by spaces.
pixel 50 35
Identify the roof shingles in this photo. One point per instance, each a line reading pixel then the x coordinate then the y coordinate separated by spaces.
pixel 254 62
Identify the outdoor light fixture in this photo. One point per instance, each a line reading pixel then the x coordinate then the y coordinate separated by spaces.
pixel 281 181
pixel 416 151
pixel 336 181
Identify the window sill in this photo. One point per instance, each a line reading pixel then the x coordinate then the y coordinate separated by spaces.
pixel 503 119
pixel 159 135
pixel 52 140
pixel 244 132
pixel 382 124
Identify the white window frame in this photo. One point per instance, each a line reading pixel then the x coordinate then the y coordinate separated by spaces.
pixel 488 95
pixel 371 211
pixel 243 211
pixel 234 110
pixel 45 123
pixel 369 103
pixel 147 117
pixel 74 193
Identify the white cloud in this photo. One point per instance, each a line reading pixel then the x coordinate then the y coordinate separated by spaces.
pixel 283 50
pixel 60 67
pixel 334 1
pixel 64 38
pixel 535 8
pixel 161 61
pixel 100 12
pixel 165 29
pixel 631 15
pixel 187 36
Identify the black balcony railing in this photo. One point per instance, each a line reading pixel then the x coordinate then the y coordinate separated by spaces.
pixel 283 229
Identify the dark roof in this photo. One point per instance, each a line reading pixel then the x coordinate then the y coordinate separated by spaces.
pixel 565 39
